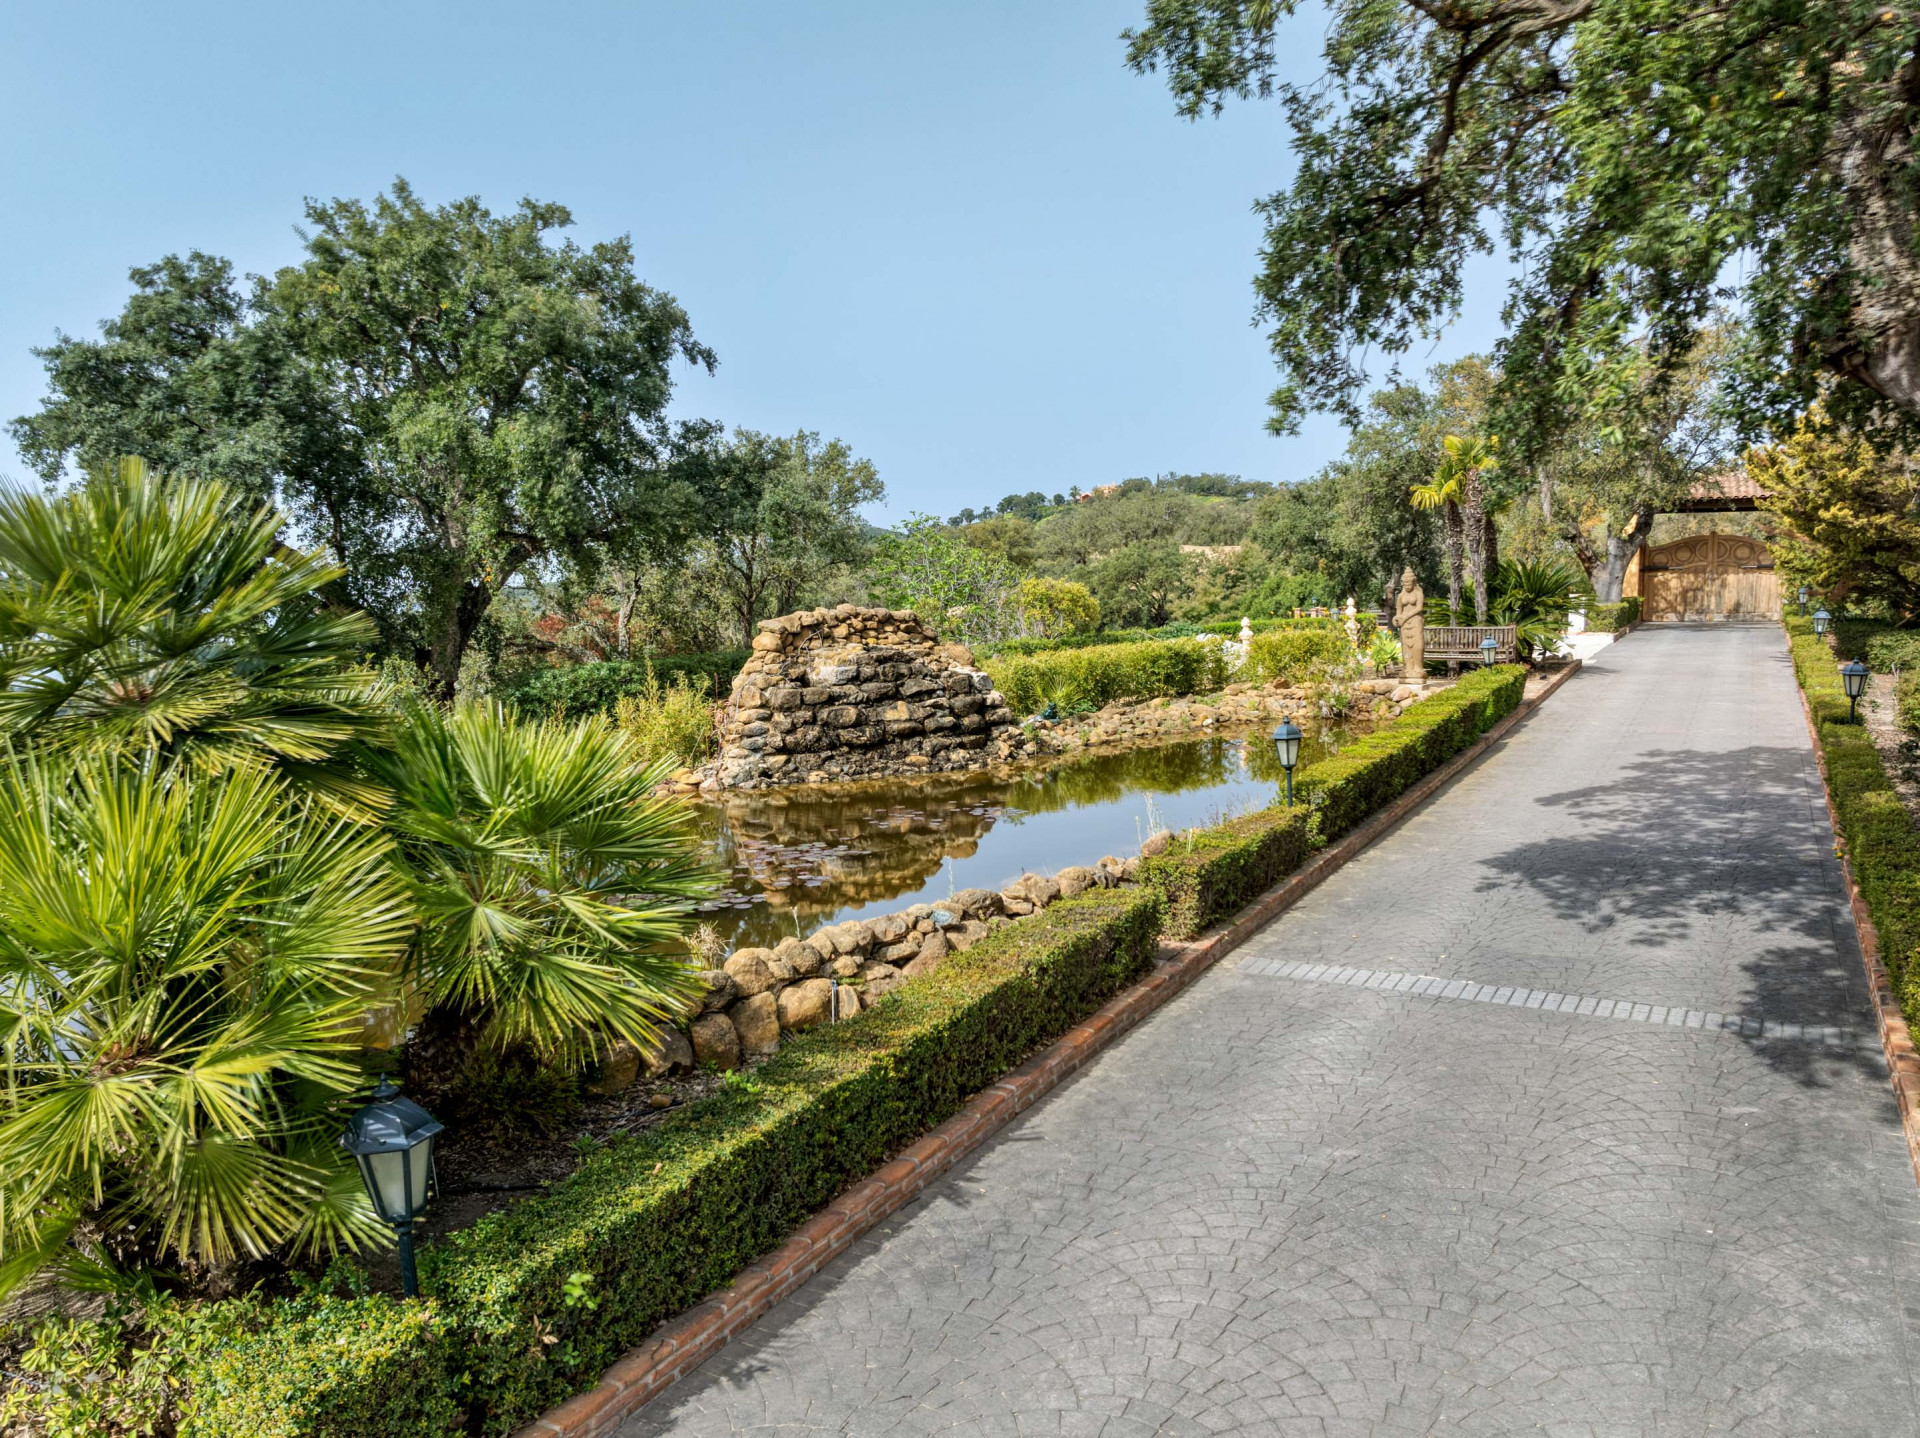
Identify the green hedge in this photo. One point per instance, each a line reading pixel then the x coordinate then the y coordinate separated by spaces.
pixel 1089 678
pixel 1211 874
pixel 1906 700
pixel 1292 655
pixel 1881 646
pixel 1208 875
pixel 1612 618
pixel 656 1222
pixel 594 688
pixel 1879 833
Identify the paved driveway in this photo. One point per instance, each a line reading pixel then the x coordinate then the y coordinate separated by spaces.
pixel 1558 1111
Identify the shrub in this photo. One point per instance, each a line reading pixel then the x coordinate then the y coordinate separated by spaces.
pixel 1879 833
pixel 1906 695
pixel 1057 607
pixel 1291 656
pixel 1208 875
pixel 668 723
pixel 663 1219
pixel 596 687
pixel 1377 768
pixel 1881 646
pixel 1180 629
pixel 1612 618
pixel 1078 679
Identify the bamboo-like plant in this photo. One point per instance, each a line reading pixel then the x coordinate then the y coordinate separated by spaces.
pixel 184 962
pixel 142 612
pixel 552 886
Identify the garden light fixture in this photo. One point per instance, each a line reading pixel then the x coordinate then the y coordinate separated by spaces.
pixel 1803 601
pixel 1286 743
pixel 1854 675
pixel 392 1141
pixel 1820 621
pixel 1488 648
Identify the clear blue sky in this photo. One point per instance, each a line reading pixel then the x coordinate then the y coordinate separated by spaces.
pixel 964 238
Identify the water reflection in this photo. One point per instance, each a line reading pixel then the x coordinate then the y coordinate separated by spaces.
pixel 799 858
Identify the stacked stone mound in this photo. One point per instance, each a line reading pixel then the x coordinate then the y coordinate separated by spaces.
pixel 848 693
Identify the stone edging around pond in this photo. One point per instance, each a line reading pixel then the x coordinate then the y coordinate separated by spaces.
pixel 759 995
pixel 682 1344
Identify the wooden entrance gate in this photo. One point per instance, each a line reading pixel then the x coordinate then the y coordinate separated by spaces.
pixel 1708 577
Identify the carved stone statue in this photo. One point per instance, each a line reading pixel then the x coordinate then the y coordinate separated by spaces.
pixel 1352 623
pixel 1410 618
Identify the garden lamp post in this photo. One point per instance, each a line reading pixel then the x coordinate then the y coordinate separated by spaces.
pixel 1488 648
pixel 392 1141
pixel 1803 601
pixel 1854 675
pixel 1286 743
pixel 1820 621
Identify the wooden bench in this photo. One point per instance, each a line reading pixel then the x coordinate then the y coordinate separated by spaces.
pixel 1460 643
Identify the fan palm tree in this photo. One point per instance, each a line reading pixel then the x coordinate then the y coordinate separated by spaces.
pixel 552 886
pixel 1469 459
pixel 142 612
pixel 184 960
pixel 1442 493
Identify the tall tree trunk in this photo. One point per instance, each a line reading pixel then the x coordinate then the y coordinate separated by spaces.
pixel 1450 536
pixel 627 601
pixel 1473 505
pixel 1620 551
pixel 448 645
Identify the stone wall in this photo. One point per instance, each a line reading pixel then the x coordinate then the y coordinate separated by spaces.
pixel 848 693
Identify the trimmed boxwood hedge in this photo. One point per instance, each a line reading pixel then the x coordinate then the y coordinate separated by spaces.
pixel 1224 628
pixel 1882 845
pixel 1611 618
pixel 1089 678
pixel 1208 875
pixel 659 1221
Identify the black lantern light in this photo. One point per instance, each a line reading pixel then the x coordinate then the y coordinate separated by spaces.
pixel 1803 601
pixel 1820 621
pixel 1488 648
pixel 1286 743
pixel 1853 674
pixel 392 1141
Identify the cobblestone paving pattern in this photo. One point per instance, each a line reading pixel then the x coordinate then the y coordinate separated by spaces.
pixel 1293 1207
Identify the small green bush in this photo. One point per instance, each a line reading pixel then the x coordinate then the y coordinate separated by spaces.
pixel 669 721
pixel 1879 833
pixel 594 688
pixel 1878 644
pixel 1224 628
pixel 1292 656
pixel 1612 618
pixel 1209 875
pixel 1906 698
pixel 1078 679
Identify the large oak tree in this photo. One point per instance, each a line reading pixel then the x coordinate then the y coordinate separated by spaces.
pixel 1637 159
pixel 446 398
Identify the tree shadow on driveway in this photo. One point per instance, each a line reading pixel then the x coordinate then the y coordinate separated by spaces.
pixel 1724 860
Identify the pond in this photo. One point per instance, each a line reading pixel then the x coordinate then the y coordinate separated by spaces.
pixel 798 859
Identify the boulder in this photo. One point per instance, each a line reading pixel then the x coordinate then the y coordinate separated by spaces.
pixel 899 953
pixel 890 928
pixel 802 1005
pixel 718 989
pixel 617 1072
pixel 1016 904
pixel 846 967
pixel 879 979
pixel 976 903
pixel 715 1042
pixel 1157 844
pixel 964 936
pixel 847 1001
pixel 668 1053
pixel 752 971
pixel 1037 889
pixel 1076 880
pixel 757 1021
pixel 804 958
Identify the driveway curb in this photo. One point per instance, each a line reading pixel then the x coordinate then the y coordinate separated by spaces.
pixel 1896 1038
pixel 683 1343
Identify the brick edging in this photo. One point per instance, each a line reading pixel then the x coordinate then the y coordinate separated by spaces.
pixel 1896 1038
pixel 683 1343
